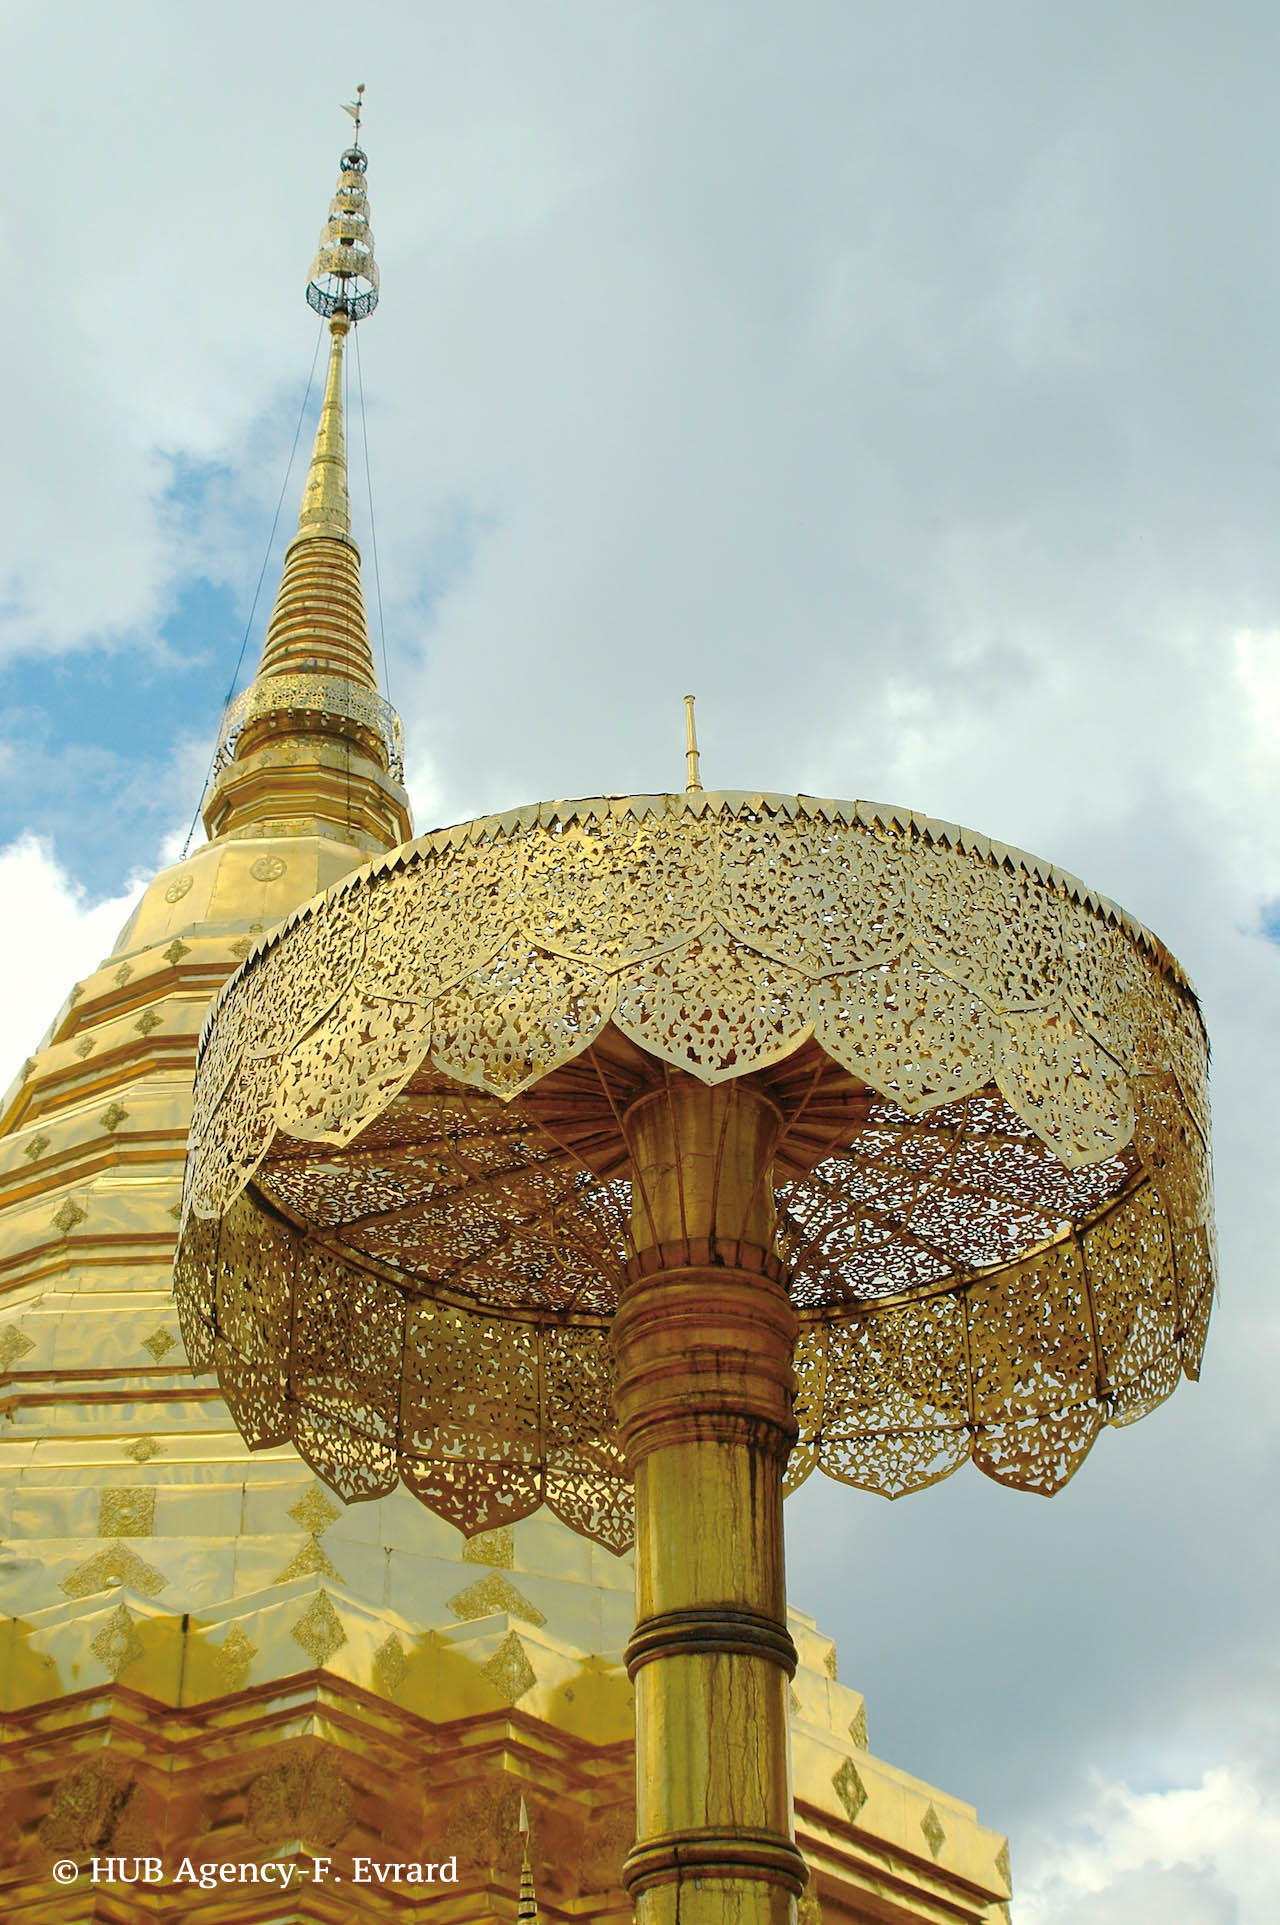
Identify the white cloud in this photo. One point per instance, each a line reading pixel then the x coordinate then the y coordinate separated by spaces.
pixel 58 935
pixel 1203 1854
pixel 1257 671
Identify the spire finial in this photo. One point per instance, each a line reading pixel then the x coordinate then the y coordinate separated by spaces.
pixel 693 781
pixel 344 274
pixel 344 287
pixel 354 108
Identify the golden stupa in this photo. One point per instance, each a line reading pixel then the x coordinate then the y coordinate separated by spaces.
pixel 209 1659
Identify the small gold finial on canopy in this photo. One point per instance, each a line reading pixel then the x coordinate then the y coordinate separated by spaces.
pixel 691 758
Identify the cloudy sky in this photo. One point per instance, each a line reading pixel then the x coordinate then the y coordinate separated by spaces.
pixel 904 380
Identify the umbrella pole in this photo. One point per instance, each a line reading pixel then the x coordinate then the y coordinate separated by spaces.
pixel 704 1339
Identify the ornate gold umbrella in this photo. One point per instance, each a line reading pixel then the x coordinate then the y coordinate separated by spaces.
pixel 682 1143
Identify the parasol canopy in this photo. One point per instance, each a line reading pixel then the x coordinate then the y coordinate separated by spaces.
pixel 409 1199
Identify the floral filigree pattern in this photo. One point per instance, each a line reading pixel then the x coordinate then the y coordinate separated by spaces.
pixel 992 1171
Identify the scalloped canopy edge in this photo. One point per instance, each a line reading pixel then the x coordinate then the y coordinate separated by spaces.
pixel 727 802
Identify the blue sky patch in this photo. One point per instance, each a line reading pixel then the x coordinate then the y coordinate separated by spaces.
pixel 98 745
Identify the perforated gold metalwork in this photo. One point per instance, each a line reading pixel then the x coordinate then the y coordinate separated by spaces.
pixel 409 1193
pixel 286 694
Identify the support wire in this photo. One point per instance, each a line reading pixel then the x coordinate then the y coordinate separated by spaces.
pixel 373 527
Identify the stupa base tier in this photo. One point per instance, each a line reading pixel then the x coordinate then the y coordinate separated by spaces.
pixel 315 1773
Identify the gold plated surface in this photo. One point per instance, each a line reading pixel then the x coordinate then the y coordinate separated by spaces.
pixel 409 1172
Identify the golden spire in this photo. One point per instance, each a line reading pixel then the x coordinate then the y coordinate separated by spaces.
pixel 310 747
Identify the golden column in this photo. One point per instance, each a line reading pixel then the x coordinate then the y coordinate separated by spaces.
pixel 703 1340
